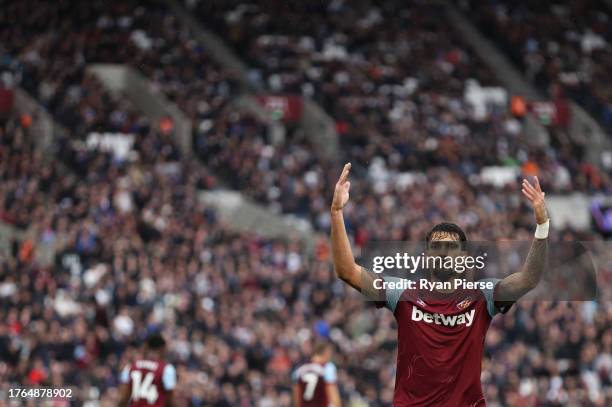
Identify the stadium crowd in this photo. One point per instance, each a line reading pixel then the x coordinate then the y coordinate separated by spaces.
pixel 395 78
pixel 54 45
pixel 566 44
pixel 135 251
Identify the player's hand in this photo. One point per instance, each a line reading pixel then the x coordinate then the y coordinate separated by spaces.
pixel 341 192
pixel 536 197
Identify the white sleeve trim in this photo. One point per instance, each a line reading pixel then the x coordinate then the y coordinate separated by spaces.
pixel 124 376
pixel 330 374
pixel 169 377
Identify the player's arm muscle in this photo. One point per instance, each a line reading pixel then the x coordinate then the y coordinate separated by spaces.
pixel 124 395
pixel 518 284
pixel 333 394
pixel 344 263
pixel 297 399
pixel 170 399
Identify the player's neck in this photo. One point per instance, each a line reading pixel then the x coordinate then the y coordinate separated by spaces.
pixel 152 356
pixel 318 360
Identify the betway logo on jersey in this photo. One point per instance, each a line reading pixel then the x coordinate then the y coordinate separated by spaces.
pixel 466 318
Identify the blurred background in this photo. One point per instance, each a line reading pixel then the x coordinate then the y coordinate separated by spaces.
pixel 168 166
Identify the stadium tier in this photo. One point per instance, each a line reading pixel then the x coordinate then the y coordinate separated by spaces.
pixel 560 46
pixel 55 44
pixel 134 251
pixel 394 76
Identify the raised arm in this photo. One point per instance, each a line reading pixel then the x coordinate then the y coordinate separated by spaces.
pixel 518 284
pixel 344 263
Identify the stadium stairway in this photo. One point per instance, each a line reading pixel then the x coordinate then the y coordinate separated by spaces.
pixel 122 79
pixel 246 216
pixel 44 124
pixel 583 125
pixel 48 129
pixel 125 80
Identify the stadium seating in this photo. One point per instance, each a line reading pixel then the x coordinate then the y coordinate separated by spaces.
pixel 559 44
pixel 137 251
pixel 396 94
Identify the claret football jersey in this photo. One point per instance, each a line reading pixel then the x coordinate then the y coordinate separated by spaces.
pixel 149 382
pixel 311 379
pixel 440 345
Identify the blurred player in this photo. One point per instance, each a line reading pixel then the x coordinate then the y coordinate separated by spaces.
pixel 315 383
pixel 148 381
pixel 441 336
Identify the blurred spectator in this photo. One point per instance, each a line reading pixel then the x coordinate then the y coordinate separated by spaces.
pixel 567 44
pixel 135 251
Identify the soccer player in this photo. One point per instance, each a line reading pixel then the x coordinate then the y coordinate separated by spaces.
pixel 441 336
pixel 315 383
pixel 148 381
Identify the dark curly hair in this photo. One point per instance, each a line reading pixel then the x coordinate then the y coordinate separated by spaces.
pixel 448 228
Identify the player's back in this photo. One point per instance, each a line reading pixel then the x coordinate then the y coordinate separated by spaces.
pixel 312 379
pixel 149 382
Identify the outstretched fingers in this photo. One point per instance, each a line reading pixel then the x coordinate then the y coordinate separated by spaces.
pixel 528 190
pixel 345 173
pixel 532 193
pixel 527 194
pixel 537 184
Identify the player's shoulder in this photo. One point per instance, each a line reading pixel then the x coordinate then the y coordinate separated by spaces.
pixel 153 365
pixel 124 375
pixel 494 307
pixel 304 368
pixel 169 378
pixel 313 367
pixel 330 373
pixel 329 366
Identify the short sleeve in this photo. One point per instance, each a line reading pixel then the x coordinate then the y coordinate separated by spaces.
pixel 330 374
pixel 392 296
pixel 124 376
pixel 494 307
pixel 169 377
